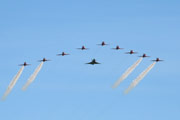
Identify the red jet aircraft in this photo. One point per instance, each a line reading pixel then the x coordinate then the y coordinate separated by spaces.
pixel 103 44
pixel 131 52
pixel 25 64
pixel 44 60
pixel 157 60
pixel 144 55
pixel 117 48
pixel 83 48
pixel 62 54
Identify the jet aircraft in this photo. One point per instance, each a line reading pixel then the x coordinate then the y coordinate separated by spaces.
pixel 131 52
pixel 93 62
pixel 103 44
pixel 24 64
pixel 44 60
pixel 83 48
pixel 144 55
pixel 62 54
pixel 157 60
pixel 117 48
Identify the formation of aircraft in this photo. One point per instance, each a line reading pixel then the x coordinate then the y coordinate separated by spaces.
pixel 93 62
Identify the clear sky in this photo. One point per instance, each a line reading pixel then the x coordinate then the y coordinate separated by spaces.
pixel 66 88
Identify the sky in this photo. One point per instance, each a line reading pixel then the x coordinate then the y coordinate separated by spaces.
pixel 68 89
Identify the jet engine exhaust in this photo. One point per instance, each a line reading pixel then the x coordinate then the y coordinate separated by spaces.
pixel 33 76
pixel 127 73
pixel 139 78
pixel 13 83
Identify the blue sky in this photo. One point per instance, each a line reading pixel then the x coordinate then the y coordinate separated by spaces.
pixel 68 89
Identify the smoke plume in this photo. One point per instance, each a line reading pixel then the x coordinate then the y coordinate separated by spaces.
pixel 33 76
pixel 127 73
pixel 13 83
pixel 139 78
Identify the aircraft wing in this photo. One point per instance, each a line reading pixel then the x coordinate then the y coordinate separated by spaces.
pixel 89 63
pixel 127 52
pixel 21 65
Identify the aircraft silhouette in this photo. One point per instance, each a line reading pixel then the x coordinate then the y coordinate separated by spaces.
pixel 93 62
pixel 157 60
pixel 62 54
pixel 24 64
pixel 44 60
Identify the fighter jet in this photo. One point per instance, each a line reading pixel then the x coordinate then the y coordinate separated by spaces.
pixel 93 62
pixel 62 54
pixel 144 55
pixel 117 48
pixel 44 60
pixel 25 64
pixel 103 44
pixel 131 52
pixel 157 60
pixel 83 48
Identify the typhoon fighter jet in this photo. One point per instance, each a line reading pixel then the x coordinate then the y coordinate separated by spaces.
pixel 24 64
pixel 131 52
pixel 103 44
pixel 117 48
pixel 62 54
pixel 144 55
pixel 83 48
pixel 157 60
pixel 44 60
pixel 93 62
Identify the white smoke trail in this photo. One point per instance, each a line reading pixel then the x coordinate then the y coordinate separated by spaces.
pixel 139 78
pixel 127 73
pixel 12 83
pixel 32 77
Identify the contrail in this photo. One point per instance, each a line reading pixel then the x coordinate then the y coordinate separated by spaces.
pixel 13 82
pixel 139 78
pixel 126 74
pixel 33 76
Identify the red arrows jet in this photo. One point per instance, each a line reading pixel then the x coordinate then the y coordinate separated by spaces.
pixel 157 60
pixel 117 48
pixel 83 48
pixel 144 55
pixel 131 52
pixel 103 44
pixel 44 60
pixel 25 64
pixel 62 54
